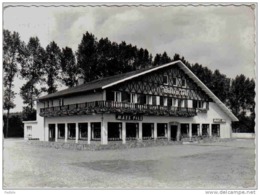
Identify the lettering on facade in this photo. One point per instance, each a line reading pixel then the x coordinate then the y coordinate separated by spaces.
pixel 219 120
pixel 176 91
pixel 129 117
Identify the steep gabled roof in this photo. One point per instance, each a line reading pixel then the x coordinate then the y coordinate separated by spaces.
pixel 93 85
pixel 114 80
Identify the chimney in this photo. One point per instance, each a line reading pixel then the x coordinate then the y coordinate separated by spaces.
pixel 80 81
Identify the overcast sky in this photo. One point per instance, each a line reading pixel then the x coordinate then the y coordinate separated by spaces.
pixel 219 37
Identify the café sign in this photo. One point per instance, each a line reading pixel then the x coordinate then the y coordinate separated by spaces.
pixel 176 91
pixel 219 120
pixel 129 117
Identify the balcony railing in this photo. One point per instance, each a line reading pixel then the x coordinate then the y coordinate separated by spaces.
pixel 116 107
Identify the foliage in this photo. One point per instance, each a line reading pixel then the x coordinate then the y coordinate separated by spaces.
pixel 15 125
pixel 28 114
pixel 69 67
pixel 87 57
pixel 32 71
pixel 242 102
pixel 52 66
pixel 11 59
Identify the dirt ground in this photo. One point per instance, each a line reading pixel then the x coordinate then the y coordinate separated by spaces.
pixel 221 165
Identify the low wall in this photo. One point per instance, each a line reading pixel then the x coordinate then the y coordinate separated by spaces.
pixel 243 135
pixel 95 145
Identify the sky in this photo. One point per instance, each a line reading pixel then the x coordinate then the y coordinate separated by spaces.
pixel 219 37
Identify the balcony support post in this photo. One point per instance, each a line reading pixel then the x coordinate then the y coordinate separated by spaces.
pixel 124 132
pixel 89 132
pixel 190 131
pixel 77 133
pixel 66 132
pixel 140 132
pixel 56 132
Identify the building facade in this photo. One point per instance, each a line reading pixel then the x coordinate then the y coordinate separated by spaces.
pixel 164 102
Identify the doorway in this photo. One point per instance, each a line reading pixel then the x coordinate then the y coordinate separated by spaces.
pixel 52 132
pixel 174 129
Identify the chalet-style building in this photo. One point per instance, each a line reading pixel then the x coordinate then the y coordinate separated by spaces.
pixel 163 102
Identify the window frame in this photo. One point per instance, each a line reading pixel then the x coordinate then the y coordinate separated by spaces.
pixel 167 79
pixel 185 83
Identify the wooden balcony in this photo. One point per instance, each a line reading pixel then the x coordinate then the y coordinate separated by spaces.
pixel 118 108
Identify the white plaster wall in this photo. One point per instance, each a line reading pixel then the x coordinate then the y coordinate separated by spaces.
pixel 38 131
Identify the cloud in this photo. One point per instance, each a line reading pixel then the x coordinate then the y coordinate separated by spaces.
pixel 220 37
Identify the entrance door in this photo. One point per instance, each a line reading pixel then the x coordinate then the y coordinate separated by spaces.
pixel 51 132
pixel 174 129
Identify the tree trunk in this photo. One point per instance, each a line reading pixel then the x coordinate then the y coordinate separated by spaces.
pixel 7 122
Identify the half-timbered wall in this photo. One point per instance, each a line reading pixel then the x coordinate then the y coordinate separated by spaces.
pixel 168 82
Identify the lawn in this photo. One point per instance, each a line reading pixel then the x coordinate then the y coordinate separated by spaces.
pixel 219 165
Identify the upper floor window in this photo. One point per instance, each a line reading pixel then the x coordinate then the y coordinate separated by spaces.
pixel 117 97
pixel 165 79
pixel 174 81
pixel 133 98
pixel 125 97
pixel 149 99
pixel 183 103
pixel 110 95
pixel 199 104
pixel 174 102
pixel 61 102
pixel 163 101
pixel 183 83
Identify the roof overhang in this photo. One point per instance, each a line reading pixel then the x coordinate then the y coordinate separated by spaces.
pixel 30 122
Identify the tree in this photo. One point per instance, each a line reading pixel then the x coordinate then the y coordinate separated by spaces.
pixel 32 71
pixel 11 59
pixel 107 62
pixel 52 66
pixel 241 102
pixel 69 67
pixel 203 73
pixel 220 86
pixel 165 58
pixel 15 125
pixel 87 57
pixel 127 57
pixel 157 60
pixel 144 59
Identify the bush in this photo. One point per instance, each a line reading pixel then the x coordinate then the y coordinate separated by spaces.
pixel 15 125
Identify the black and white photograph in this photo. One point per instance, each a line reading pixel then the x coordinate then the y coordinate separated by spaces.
pixel 129 96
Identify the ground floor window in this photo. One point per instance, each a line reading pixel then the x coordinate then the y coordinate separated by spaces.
pixel 161 130
pixel 71 130
pixel 61 131
pixel 132 131
pixel 51 132
pixel 148 129
pixel 205 129
pixel 184 130
pixel 216 130
pixel 195 129
pixel 83 131
pixel 96 131
pixel 114 131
